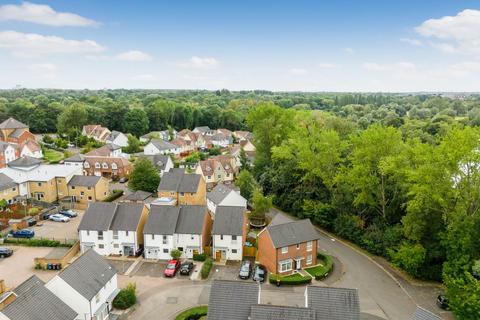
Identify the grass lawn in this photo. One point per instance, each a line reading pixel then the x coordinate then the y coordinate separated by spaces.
pixel 52 156
pixel 315 269
pixel 198 312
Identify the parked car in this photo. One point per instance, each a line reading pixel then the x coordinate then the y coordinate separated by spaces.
pixel 172 268
pixel 186 268
pixel 259 273
pixel 68 213
pixel 123 180
pixel 139 252
pixel 442 302
pixel 5 252
pixel 245 270
pixel 31 222
pixel 59 218
pixel 24 233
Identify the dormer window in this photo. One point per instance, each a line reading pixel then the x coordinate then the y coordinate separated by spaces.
pixel 97 165
pixel 86 165
pixel 114 166
pixel 105 165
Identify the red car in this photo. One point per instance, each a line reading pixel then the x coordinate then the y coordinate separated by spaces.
pixel 172 268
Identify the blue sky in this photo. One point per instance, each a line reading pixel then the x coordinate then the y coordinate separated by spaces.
pixel 275 45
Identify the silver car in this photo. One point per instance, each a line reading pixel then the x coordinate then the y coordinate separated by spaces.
pixel 59 218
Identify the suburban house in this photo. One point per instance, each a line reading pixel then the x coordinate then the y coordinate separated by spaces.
pixel 162 162
pixel 32 300
pixel 107 167
pixel 286 247
pixel 8 189
pixel 229 233
pixel 242 135
pixel 223 195
pixel 75 160
pixel 204 131
pixel 12 130
pixel 183 145
pixel 8 153
pixel 158 146
pixel 88 286
pixel 83 190
pixel 96 132
pixel 31 148
pixel 184 188
pixel 217 169
pixel 40 181
pixel 249 149
pixel 108 150
pixel 239 300
pixel 186 228
pixel 164 135
pixel 117 138
pixel 221 140
pixel 113 228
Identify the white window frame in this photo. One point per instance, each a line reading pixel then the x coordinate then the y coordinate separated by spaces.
pixel 284 250
pixel 309 260
pixel 285 265
pixel 309 246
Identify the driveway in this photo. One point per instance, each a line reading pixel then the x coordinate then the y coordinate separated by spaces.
pixel 19 267
pixel 59 230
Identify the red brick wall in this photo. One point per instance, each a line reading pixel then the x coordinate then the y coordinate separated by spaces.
pixel 266 252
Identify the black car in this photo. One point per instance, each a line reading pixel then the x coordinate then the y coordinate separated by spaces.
pixel 245 270
pixel 5 252
pixel 31 222
pixel 68 213
pixel 259 273
pixel 186 267
pixel 442 302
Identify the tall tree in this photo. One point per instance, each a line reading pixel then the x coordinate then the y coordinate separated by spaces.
pixel 136 122
pixel 144 176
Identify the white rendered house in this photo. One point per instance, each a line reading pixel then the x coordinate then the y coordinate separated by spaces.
pixel 229 233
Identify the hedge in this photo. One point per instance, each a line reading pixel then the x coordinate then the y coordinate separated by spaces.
pixel 291 279
pixel 207 266
pixel 321 271
pixel 114 195
pixel 126 297
pixel 199 257
pixel 194 313
pixel 37 242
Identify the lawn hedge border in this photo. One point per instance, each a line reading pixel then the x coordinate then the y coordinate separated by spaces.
pixel 292 279
pixel 114 195
pixel 194 313
pixel 207 266
pixel 37 242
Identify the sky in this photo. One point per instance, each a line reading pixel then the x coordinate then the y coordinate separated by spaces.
pixel 361 46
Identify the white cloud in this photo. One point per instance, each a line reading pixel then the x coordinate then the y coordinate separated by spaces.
pixel 199 63
pixel 144 77
pixel 43 14
pixel 398 67
pixel 133 55
pixel 413 42
pixel 327 65
pixel 460 33
pixel 32 44
pixel 349 50
pixel 42 67
pixel 297 71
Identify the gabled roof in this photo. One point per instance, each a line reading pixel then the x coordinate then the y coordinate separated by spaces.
pixel 202 129
pixel 138 195
pixel 24 162
pixel 232 300
pixel 32 145
pixel 219 193
pixel 162 220
pixel 162 145
pixel 35 301
pixel 88 274
pixel 75 158
pixel 127 216
pixel 12 123
pixel 6 182
pixel 228 221
pixel 424 314
pixel 98 216
pixel 190 220
pixel 4 145
pixel 84 181
pixel 103 151
pixel 271 312
pixel 159 160
pixel 287 234
pixel 17 133
pixel 177 180
pixel 114 134
pixel 334 303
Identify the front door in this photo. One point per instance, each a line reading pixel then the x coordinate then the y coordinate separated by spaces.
pixel 39 196
pixel 218 255
pixel 224 255
pixel 128 251
pixel 298 264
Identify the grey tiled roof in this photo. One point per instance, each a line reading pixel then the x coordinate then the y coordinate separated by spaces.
pixel 138 195
pixel 34 301
pixel 17 133
pixel 190 220
pixel 98 216
pixel 177 180
pixel 287 234
pixel 127 216
pixel 228 221
pixel 3 146
pixel 88 274
pixel 158 160
pixel 219 193
pixel 270 312
pixel 6 182
pixel 202 129
pixel 12 123
pixel 84 181
pixel 75 158
pixel 161 220
pixel 232 300
pixel 162 145
pixel 25 161
pixel 423 314
pixel 334 303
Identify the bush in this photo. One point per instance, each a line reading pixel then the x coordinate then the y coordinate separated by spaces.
pixel 37 242
pixel 199 257
pixel 476 268
pixel 175 254
pixel 194 313
pixel 33 211
pixel 114 195
pixel 409 257
pixel 292 279
pixel 320 272
pixel 126 297
pixel 207 266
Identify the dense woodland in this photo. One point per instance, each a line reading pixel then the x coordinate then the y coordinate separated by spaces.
pixel 399 175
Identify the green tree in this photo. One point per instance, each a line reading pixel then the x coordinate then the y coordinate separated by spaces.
pixel 244 162
pixel 409 257
pixel 247 184
pixel 144 176
pixel 261 204
pixel 73 118
pixel 133 145
pixel 175 254
pixel 463 294
pixel 136 122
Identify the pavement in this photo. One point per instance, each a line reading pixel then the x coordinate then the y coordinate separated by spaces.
pixel 59 230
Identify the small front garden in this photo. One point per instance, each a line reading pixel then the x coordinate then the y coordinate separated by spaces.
pixel 324 267
pixel 292 279
pixel 52 156
pixel 126 298
pixel 195 313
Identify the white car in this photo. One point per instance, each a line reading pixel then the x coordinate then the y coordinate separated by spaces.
pixel 59 218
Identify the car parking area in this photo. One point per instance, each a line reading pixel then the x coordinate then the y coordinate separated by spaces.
pixel 150 269
pixel 19 267
pixel 225 272
pixel 121 265
pixel 60 231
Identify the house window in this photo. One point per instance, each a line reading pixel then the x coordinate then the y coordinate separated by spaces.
pixel 153 236
pixel 105 165
pixel 73 187
pixel 126 233
pixel 101 246
pixel 209 177
pixel 221 237
pixel 88 232
pixel 39 184
pixel 114 166
pixel 298 246
pixel 234 250
pixel 182 194
pixel 309 245
pixel 219 176
pixel 192 237
pixel 165 250
pixel 100 235
pixel 164 240
pixel 82 193
pixel 180 249
pixel 309 259
pixel 90 198
pixel 97 165
pixel 115 235
pixel 89 188
pixel 115 245
pixel 284 266
pixel 172 193
pixel 284 249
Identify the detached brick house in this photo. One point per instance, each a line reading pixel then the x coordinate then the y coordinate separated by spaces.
pixel 286 247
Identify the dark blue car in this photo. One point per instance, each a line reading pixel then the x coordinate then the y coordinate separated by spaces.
pixel 24 233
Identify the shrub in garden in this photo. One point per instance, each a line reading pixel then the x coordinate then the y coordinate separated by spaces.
pixel 126 297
